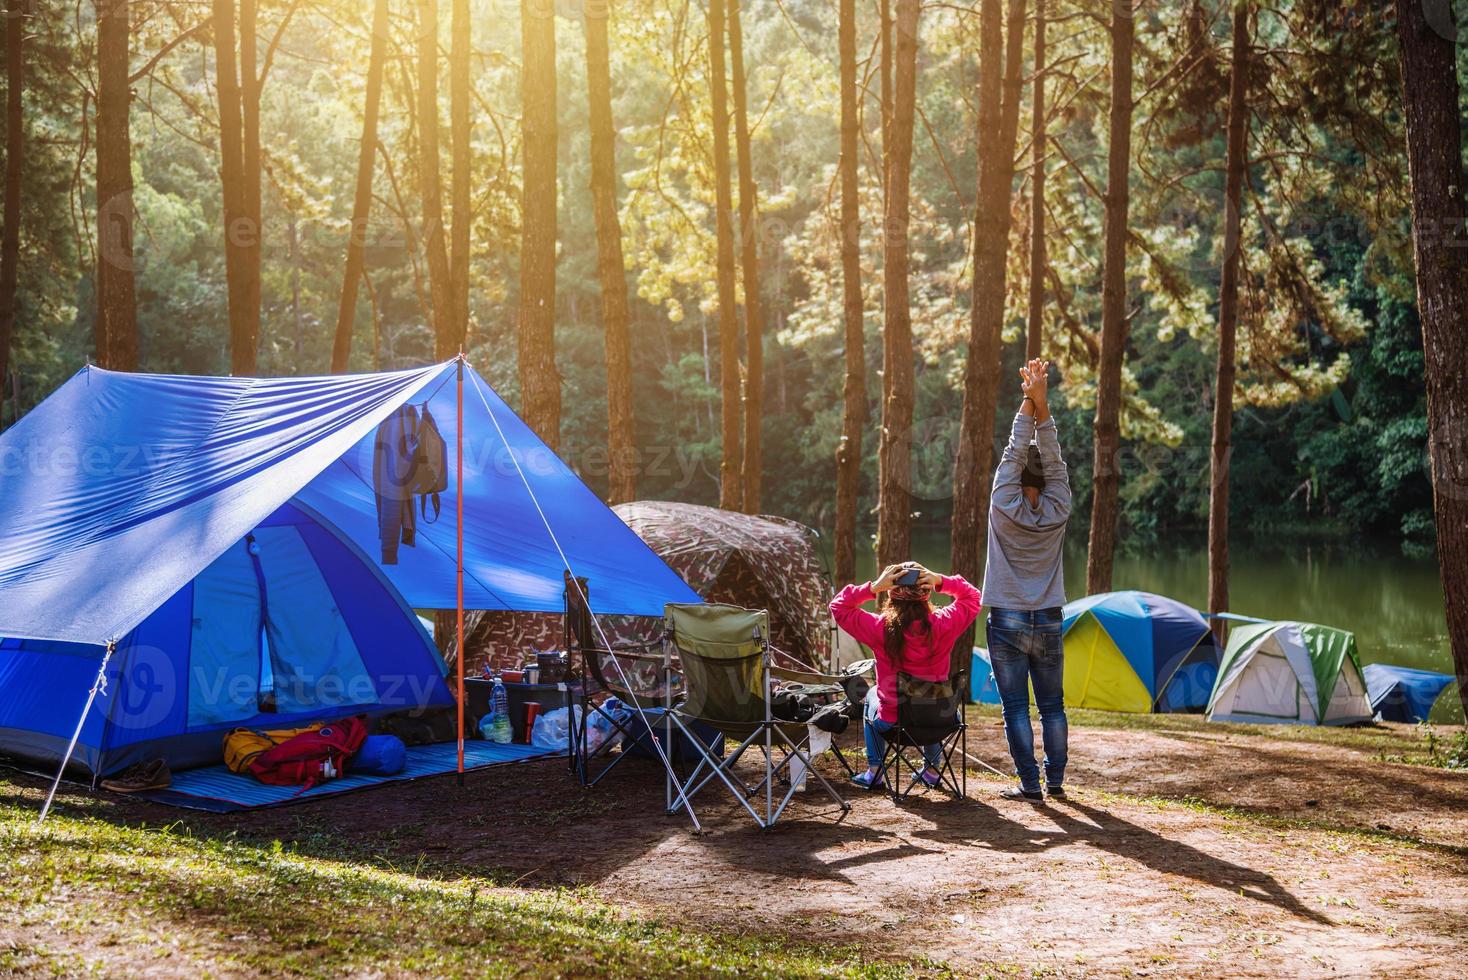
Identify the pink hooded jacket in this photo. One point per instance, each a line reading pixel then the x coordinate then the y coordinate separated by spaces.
pixel 925 654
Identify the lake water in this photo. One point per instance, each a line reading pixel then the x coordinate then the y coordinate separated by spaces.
pixel 1391 601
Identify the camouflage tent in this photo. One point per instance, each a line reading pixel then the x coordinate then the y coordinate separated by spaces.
pixel 760 562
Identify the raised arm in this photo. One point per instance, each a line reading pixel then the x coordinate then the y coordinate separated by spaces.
pixel 1055 498
pixel 846 609
pixel 955 617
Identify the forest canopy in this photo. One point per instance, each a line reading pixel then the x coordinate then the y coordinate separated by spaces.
pixel 1330 424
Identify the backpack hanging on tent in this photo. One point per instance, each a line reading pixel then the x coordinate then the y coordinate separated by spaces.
pixel 430 465
pixel 311 757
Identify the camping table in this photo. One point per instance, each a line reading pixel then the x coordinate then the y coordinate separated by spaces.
pixel 477 693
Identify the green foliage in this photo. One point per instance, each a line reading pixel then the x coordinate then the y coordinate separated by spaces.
pixel 1446 752
pixel 1330 430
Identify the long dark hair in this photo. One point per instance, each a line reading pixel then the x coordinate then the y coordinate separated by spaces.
pixel 898 615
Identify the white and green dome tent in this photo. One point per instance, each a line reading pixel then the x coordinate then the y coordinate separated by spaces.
pixel 1290 673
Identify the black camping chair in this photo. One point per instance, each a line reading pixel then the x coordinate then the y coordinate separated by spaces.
pixel 635 675
pixel 928 713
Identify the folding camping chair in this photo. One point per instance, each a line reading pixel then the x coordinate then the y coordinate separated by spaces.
pixel 634 675
pixel 729 687
pixel 928 713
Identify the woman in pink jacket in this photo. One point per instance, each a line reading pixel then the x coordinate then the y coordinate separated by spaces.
pixel 907 636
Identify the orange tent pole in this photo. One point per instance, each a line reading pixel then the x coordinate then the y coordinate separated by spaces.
pixel 459 567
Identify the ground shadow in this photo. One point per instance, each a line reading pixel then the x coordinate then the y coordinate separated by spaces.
pixel 975 825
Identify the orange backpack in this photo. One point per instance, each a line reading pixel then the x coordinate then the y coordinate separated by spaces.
pixel 242 745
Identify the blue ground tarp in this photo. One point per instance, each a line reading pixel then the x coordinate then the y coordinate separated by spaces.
pixel 218 790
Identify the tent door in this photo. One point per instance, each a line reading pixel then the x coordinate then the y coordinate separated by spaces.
pixel 1269 688
pixel 1348 701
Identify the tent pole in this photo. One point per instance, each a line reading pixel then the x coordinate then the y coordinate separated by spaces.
pixel 459 562
pixel 97 685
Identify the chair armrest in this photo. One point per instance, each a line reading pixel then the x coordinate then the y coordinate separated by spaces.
pixel 804 676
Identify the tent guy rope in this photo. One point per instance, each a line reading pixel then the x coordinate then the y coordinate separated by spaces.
pixel 99 686
pixel 636 705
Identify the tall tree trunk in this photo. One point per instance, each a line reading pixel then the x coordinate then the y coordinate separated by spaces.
pixel 297 313
pixel 1228 317
pixel 16 12
pixel 430 181
pixel 245 340
pixel 616 318
pixel 1106 468
pixel 1000 86
pixel 894 509
pixel 854 389
pixel 540 383
pixel 885 68
pixel 237 230
pixel 1434 142
pixel 731 486
pixel 749 232
pixel 459 135
pixel 117 313
pixel 346 311
pixel 1034 335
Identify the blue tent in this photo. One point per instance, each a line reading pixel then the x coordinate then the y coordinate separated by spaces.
pixel 288 626
pixel 1136 651
pixel 125 505
pixel 981 686
pixel 1403 693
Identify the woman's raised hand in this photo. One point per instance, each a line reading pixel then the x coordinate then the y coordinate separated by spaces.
pixel 887 579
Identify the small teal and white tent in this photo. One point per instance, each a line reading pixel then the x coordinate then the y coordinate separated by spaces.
pixel 180 554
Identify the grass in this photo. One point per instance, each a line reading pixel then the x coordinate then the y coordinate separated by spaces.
pixel 1448 750
pixel 83 894
pixel 1423 745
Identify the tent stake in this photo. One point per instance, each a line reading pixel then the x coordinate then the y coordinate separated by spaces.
pixel 459 562
pixel 100 684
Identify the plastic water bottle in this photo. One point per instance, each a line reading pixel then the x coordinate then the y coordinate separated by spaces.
pixel 500 712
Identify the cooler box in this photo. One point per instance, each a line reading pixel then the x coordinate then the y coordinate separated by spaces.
pixel 682 749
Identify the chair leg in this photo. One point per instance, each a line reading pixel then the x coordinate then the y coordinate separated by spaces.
pixel 802 753
pixel 841 758
pixel 718 770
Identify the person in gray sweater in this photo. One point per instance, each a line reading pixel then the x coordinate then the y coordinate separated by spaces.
pixel 1024 586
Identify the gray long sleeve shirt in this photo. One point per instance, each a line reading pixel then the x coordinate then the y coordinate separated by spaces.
pixel 1024 570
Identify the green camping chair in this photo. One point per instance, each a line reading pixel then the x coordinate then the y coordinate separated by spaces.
pixel 729 683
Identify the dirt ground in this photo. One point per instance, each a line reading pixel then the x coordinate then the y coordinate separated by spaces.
pixel 1178 854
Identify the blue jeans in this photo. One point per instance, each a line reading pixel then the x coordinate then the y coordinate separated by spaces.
pixel 1025 648
pixel 875 728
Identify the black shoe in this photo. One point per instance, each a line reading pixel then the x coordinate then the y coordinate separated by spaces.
pixel 1056 791
pixel 1017 793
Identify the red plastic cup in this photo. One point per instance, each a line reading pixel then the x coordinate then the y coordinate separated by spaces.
pixel 532 712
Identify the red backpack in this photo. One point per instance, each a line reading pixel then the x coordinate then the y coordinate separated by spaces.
pixel 311 757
